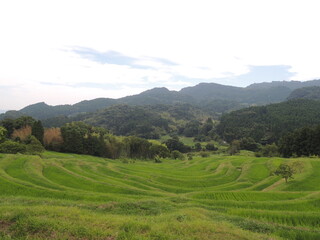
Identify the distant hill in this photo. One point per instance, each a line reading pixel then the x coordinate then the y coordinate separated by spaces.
pixel 157 96
pixel 93 105
pixel 11 114
pixel 289 84
pixel 266 124
pixel 213 91
pixel 42 110
pixel 306 93
pixel 153 97
pixel 212 98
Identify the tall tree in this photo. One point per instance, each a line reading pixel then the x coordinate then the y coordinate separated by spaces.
pixel 3 134
pixel 73 137
pixel 38 131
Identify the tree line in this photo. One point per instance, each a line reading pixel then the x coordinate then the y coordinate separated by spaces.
pixel 301 142
pixel 78 137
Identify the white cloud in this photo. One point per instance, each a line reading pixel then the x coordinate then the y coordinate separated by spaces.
pixel 206 39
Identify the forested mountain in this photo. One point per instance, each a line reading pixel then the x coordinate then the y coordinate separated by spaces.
pixel 144 121
pixel 306 93
pixel 213 91
pixel 129 120
pixel 266 124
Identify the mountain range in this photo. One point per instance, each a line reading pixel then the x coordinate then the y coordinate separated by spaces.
pixel 211 97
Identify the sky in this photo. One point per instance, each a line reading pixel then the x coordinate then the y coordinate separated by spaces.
pixel 65 51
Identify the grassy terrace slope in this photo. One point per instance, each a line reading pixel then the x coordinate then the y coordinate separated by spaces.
pixel 64 196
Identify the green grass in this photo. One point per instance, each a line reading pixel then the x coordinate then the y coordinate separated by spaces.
pixel 69 196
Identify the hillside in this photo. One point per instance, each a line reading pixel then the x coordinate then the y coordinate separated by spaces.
pixel 212 91
pixel 266 124
pixel 306 93
pixel 144 121
pixel 68 196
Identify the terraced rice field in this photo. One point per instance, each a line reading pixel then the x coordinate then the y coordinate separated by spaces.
pixel 65 196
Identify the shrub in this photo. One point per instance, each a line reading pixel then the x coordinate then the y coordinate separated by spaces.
pixel 258 154
pixel 234 147
pixel 12 147
pixel 175 144
pixel 159 151
pixel 157 159
pixel 268 151
pixel 34 146
pixel 249 144
pixel 204 154
pixel 197 147
pixel 211 147
pixel 177 155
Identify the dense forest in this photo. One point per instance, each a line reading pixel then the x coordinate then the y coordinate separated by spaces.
pixel 266 124
pixel 306 93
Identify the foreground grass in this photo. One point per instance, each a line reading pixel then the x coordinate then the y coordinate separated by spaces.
pixel 67 196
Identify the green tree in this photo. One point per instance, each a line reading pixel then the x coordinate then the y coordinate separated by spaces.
pixel 207 127
pixel 23 122
pixel 3 134
pixel 38 131
pixel 8 124
pixel 234 147
pixel 204 154
pixel 285 170
pixel 137 147
pixel 191 129
pixel 249 144
pixel 159 151
pixel 73 137
pixel 210 147
pixel 197 147
pixel 286 145
pixel 34 146
pixel 95 145
pixel 177 155
pixel 175 144
pixel 269 150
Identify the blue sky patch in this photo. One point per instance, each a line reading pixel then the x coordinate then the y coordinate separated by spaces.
pixel 113 57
